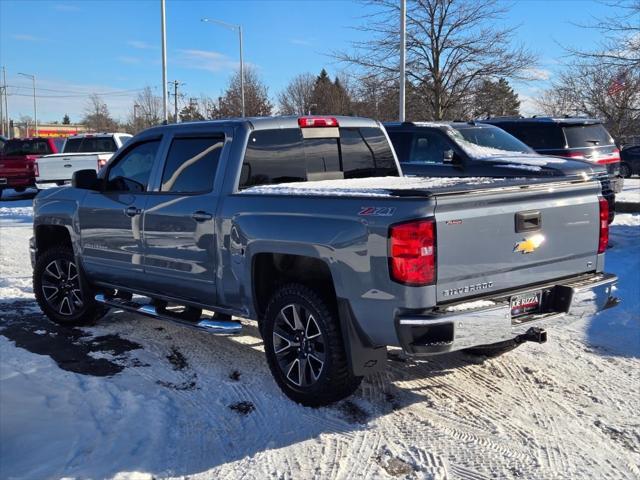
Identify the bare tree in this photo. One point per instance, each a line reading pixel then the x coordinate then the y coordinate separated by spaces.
pixel 451 45
pixel 593 91
pixel 149 108
pixel 620 34
pixel 296 98
pixel 97 117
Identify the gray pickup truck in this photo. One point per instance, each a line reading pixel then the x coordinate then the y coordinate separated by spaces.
pixel 306 225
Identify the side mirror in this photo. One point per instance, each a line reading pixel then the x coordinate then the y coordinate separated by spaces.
pixel 86 179
pixel 447 156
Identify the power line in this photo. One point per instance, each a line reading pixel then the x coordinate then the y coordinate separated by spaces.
pixel 78 95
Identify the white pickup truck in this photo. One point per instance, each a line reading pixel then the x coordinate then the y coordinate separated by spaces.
pixel 80 152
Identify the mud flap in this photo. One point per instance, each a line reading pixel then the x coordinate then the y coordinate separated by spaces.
pixel 363 357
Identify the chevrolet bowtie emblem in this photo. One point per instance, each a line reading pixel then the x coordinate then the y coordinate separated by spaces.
pixel 529 245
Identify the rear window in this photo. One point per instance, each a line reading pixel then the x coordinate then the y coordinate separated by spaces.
pixel 580 136
pixel 281 156
pixel 537 136
pixel 90 145
pixel 26 147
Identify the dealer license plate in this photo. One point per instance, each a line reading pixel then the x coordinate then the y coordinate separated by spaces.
pixel 525 304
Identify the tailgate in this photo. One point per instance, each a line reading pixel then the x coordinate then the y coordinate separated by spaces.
pixel 19 166
pixel 61 167
pixel 488 241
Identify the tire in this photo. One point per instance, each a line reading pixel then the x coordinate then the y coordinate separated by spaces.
pixel 61 291
pixel 493 350
pixel 20 189
pixel 304 347
pixel 625 170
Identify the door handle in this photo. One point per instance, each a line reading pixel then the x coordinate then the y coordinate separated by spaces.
pixel 201 216
pixel 132 211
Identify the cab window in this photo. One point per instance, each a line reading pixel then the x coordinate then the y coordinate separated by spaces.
pixel 191 165
pixel 131 172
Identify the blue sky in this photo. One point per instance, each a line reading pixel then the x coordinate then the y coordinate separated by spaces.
pixel 112 47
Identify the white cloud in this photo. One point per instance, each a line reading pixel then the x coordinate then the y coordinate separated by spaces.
pixel 301 42
pixel 140 45
pixel 129 60
pixel 538 73
pixel 205 60
pixel 25 37
pixel 66 7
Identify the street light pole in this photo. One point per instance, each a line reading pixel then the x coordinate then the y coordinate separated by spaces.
pixel 35 108
pixel 403 46
pixel 165 97
pixel 239 29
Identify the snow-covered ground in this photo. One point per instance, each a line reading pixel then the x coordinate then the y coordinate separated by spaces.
pixel 630 191
pixel 136 398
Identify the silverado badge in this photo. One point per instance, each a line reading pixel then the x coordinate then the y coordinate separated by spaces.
pixel 529 245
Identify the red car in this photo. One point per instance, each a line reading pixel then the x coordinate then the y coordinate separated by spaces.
pixel 18 169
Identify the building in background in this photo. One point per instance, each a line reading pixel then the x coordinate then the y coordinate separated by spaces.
pixel 23 130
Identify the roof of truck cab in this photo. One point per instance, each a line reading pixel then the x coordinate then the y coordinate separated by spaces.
pixel 265 123
pixel 538 120
pixel 457 125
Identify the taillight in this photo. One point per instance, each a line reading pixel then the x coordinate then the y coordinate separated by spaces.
pixel 613 158
pixel 604 225
pixel 412 252
pixel 309 122
pixel 101 163
pixel 574 155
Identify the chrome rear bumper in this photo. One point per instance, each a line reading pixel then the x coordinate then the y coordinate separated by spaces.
pixel 445 331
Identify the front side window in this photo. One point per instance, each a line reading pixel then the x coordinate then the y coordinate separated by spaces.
pixel 131 171
pixel 191 165
pixel 429 147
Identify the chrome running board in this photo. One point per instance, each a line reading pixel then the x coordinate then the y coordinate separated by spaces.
pixel 215 327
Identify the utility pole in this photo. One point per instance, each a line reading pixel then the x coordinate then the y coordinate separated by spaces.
pixel 35 109
pixel 403 47
pixel 165 98
pixel 2 124
pixel 6 107
pixel 176 84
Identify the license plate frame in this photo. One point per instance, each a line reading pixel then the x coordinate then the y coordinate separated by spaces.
pixel 524 304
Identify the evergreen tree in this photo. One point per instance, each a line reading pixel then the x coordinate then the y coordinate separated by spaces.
pixel 495 99
pixel 66 120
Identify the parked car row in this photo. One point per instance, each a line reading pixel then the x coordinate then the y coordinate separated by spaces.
pixel 308 226
pixel 29 162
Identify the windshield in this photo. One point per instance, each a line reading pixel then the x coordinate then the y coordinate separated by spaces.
pixel 26 147
pixel 483 142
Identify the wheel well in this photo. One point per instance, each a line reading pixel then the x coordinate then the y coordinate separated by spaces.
pixel 48 236
pixel 272 270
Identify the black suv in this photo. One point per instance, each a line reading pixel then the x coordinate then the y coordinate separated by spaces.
pixel 470 149
pixel 572 137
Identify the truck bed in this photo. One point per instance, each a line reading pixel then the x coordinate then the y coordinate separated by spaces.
pixel 405 186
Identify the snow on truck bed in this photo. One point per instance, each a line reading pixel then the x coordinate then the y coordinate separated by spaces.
pixel 371 187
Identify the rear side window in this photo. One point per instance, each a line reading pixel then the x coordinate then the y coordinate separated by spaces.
pixel 539 137
pixel 580 136
pixel 191 164
pixel 273 156
pixel 280 156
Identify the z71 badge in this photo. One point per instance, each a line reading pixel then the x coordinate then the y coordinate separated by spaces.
pixel 377 211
